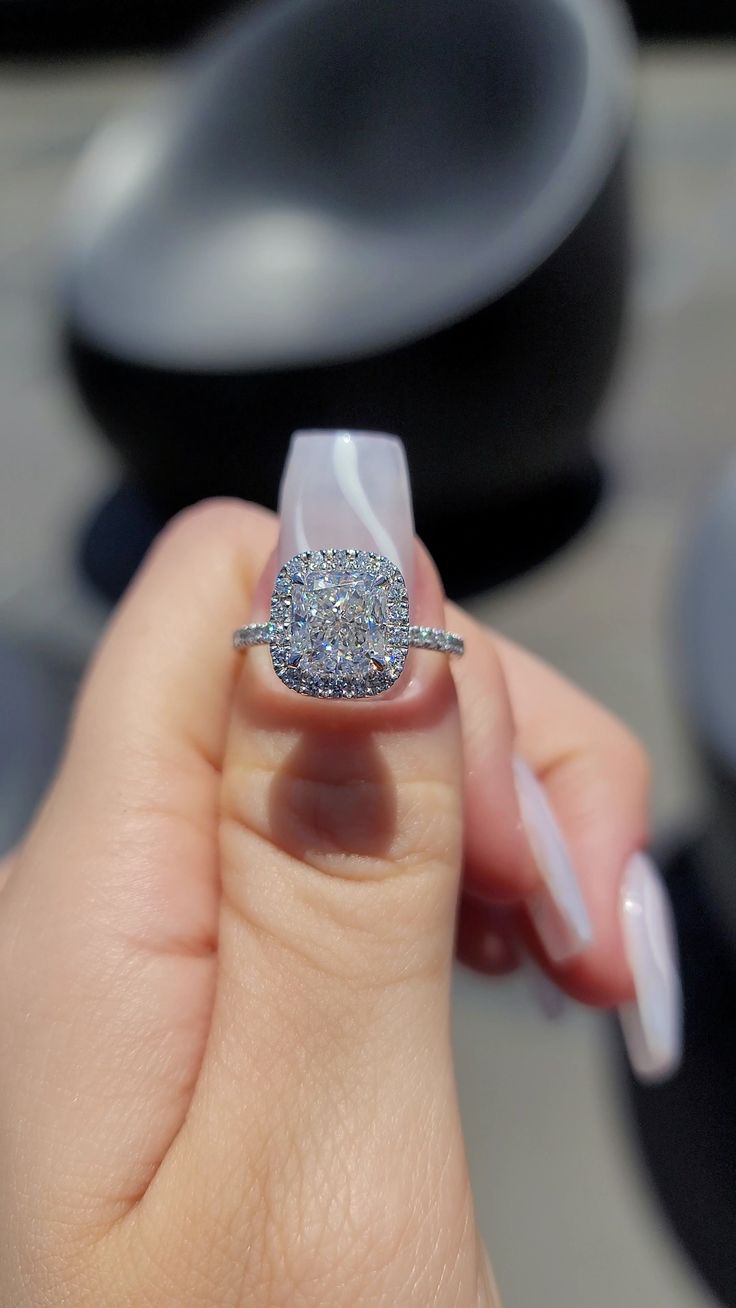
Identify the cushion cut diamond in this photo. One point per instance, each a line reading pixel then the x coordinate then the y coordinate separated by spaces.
pixel 339 621
pixel 343 619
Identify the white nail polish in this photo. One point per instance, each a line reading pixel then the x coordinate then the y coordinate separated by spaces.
pixel 547 997
pixel 558 911
pixel 652 1024
pixel 347 489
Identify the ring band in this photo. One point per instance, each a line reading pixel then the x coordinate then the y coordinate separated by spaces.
pixel 339 625
pixel 444 642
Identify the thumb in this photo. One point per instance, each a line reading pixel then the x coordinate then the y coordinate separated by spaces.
pixel 341 833
pixel 340 850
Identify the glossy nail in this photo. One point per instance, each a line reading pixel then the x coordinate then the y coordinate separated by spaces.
pixel 652 1024
pixel 547 997
pixel 558 910
pixel 347 489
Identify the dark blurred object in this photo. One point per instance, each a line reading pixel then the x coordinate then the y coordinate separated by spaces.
pixel 688 1128
pixel 356 213
pixel 115 539
pixel 68 27
pixel 707 645
pixel 36 689
pixel 684 18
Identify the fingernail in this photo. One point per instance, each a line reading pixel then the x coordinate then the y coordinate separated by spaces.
pixel 349 490
pixel 652 1024
pixel 558 910
pixel 547 997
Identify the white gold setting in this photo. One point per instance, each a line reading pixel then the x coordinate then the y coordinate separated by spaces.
pixel 339 625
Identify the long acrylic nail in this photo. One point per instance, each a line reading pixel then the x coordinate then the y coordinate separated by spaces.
pixel 558 910
pixel 652 1024
pixel 347 489
pixel 547 997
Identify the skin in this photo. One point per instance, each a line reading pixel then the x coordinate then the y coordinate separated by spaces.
pixel 225 952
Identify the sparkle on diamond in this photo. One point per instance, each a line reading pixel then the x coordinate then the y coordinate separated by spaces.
pixel 339 620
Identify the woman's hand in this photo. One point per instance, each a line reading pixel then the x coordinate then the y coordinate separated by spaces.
pixel 226 943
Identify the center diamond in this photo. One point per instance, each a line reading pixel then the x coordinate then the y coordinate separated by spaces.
pixel 339 623
pixel 342 619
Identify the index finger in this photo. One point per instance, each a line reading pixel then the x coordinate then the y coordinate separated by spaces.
pixel 588 777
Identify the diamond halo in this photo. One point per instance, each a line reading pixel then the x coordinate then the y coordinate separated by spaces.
pixel 339 623
pixel 339 626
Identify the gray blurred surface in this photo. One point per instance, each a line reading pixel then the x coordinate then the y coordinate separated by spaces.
pixel 385 226
pixel 568 1219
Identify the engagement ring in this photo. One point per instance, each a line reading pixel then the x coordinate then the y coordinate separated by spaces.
pixel 339 625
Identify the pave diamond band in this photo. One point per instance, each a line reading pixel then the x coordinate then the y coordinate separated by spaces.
pixel 436 638
pixel 339 625
pixel 445 642
pixel 255 633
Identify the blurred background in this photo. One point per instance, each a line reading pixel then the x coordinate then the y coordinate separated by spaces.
pixel 506 231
